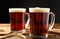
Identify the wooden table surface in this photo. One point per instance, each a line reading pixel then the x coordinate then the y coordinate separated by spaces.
pixel 51 35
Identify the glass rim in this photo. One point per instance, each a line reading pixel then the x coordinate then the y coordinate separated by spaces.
pixel 38 9
pixel 17 9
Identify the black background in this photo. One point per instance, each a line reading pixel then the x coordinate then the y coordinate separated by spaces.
pixel 6 4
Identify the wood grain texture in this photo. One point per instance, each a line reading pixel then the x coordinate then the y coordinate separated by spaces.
pixel 51 35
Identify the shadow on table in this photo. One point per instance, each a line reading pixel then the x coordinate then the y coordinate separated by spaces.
pixel 39 38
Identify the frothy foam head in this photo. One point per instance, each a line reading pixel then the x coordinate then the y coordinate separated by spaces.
pixel 37 9
pixel 17 10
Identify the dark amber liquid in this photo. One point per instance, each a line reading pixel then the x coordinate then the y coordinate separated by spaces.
pixel 38 23
pixel 16 20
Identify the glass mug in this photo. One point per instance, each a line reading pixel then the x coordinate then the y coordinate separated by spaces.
pixel 17 19
pixel 39 18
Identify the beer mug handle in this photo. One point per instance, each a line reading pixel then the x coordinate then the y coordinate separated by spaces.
pixel 28 20
pixel 52 21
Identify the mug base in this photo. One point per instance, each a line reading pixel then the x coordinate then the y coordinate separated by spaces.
pixel 20 31
pixel 42 36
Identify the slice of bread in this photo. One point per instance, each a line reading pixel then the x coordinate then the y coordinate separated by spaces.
pixel 5 29
pixel 55 30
